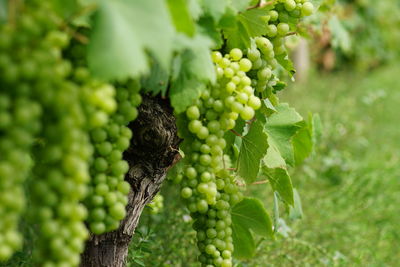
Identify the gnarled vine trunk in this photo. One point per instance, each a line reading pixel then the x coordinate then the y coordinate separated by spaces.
pixel 153 150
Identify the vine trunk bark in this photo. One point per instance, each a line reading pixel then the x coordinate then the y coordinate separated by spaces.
pixel 153 150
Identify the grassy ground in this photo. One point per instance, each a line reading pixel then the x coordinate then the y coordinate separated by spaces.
pixel 350 188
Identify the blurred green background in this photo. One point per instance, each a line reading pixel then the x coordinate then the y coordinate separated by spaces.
pixel 350 187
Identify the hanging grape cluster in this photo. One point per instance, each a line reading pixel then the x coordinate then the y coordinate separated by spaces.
pixel 210 189
pixel 20 117
pixel 51 114
pixel 109 192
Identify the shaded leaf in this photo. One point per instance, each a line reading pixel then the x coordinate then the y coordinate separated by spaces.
pixel 280 182
pixel 243 242
pixel 253 149
pixel 249 214
pixel 280 127
pixel 157 81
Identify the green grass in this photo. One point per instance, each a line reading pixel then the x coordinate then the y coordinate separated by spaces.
pixel 350 189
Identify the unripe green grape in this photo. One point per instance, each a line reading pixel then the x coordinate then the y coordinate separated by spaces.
pixel 253 54
pixel 272 30
pixel 307 9
pixel 193 113
pixel 273 15
pixel 245 64
pixel 216 56
pixel 283 28
pixel 247 113
pixel 195 126
pixel 290 5
pixel 236 54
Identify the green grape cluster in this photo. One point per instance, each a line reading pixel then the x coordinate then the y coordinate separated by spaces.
pixel 109 192
pixel 209 189
pixel 265 50
pixel 19 124
pixel 156 204
pixel 21 112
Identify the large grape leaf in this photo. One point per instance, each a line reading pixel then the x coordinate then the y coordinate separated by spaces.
pixel 253 149
pixel 123 31
pixel 280 127
pixel 249 214
pixel 181 16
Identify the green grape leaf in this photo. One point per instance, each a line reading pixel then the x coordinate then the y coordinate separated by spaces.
pixel 215 9
pixel 181 16
pixel 286 63
pixel 280 85
pixel 243 242
pixel 198 61
pixel 184 91
pixel 302 143
pixel 123 31
pixel 251 213
pixel 237 37
pixel 280 127
pixel 156 81
pixel 253 149
pixel 208 28
pixel 253 21
pixel 241 5
pixel 3 11
pixel 296 211
pixel 280 182
pixel 305 139
pixel 267 107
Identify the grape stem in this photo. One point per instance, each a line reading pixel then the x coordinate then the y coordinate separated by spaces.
pixel 261 4
pixel 291 33
pixel 260 182
pixel 236 133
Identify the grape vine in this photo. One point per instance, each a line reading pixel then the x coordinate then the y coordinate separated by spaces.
pixel 71 79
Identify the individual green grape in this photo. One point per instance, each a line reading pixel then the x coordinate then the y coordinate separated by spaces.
pixel 307 9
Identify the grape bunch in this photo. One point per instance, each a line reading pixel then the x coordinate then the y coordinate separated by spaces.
pixel 109 192
pixel 19 124
pixel 208 188
pixel 265 50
